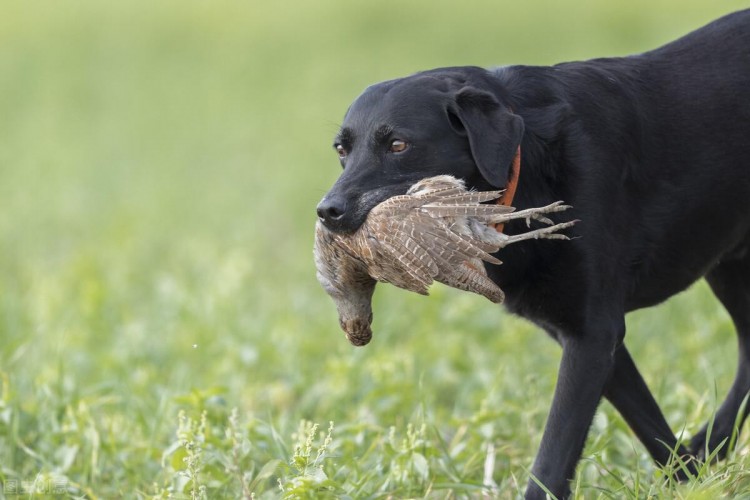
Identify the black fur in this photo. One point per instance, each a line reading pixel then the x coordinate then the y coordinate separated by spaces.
pixel 652 151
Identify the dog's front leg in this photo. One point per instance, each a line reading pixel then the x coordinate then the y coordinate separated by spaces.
pixel 587 362
pixel 628 392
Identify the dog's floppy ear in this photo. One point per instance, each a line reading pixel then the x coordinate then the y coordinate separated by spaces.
pixel 494 132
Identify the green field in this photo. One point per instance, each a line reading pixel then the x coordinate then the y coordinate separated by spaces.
pixel 162 333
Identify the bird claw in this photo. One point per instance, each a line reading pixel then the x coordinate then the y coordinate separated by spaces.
pixel 538 217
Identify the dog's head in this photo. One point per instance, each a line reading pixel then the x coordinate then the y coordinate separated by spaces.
pixel 452 121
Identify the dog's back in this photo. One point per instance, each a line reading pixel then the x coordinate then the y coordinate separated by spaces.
pixel 661 140
pixel 693 191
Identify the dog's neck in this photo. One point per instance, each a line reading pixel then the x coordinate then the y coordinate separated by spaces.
pixel 510 189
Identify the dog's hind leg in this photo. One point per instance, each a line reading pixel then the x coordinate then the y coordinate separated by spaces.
pixel 730 282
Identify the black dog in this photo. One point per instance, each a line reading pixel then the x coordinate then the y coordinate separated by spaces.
pixel 652 151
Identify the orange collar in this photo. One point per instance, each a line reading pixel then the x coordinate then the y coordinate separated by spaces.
pixel 510 189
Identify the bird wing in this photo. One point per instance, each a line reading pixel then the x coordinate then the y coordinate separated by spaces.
pixel 487 212
pixel 435 232
pixel 395 206
pixel 396 258
pixel 463 197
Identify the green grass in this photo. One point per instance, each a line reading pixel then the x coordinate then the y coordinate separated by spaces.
pixel 161 329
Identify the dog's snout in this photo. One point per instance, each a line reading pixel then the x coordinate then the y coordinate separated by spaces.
pixel 331 208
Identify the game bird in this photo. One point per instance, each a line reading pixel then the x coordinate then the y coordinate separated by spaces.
pixel 437 231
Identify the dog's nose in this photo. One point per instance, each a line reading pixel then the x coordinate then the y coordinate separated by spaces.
pixel 331 208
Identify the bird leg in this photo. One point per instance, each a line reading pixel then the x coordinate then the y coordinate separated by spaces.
pixel 547 233
pixel 534 213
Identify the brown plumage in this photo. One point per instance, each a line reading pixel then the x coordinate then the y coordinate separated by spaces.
pixel 436 231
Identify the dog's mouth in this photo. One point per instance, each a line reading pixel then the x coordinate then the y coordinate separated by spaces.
pixel 359 206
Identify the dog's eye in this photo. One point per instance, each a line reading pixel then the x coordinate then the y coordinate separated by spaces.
pixel 340 150
pixel 398 146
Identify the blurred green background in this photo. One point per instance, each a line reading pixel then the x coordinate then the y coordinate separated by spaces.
pixel 159 168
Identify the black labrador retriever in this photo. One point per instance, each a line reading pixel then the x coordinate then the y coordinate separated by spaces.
pixel 652 151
